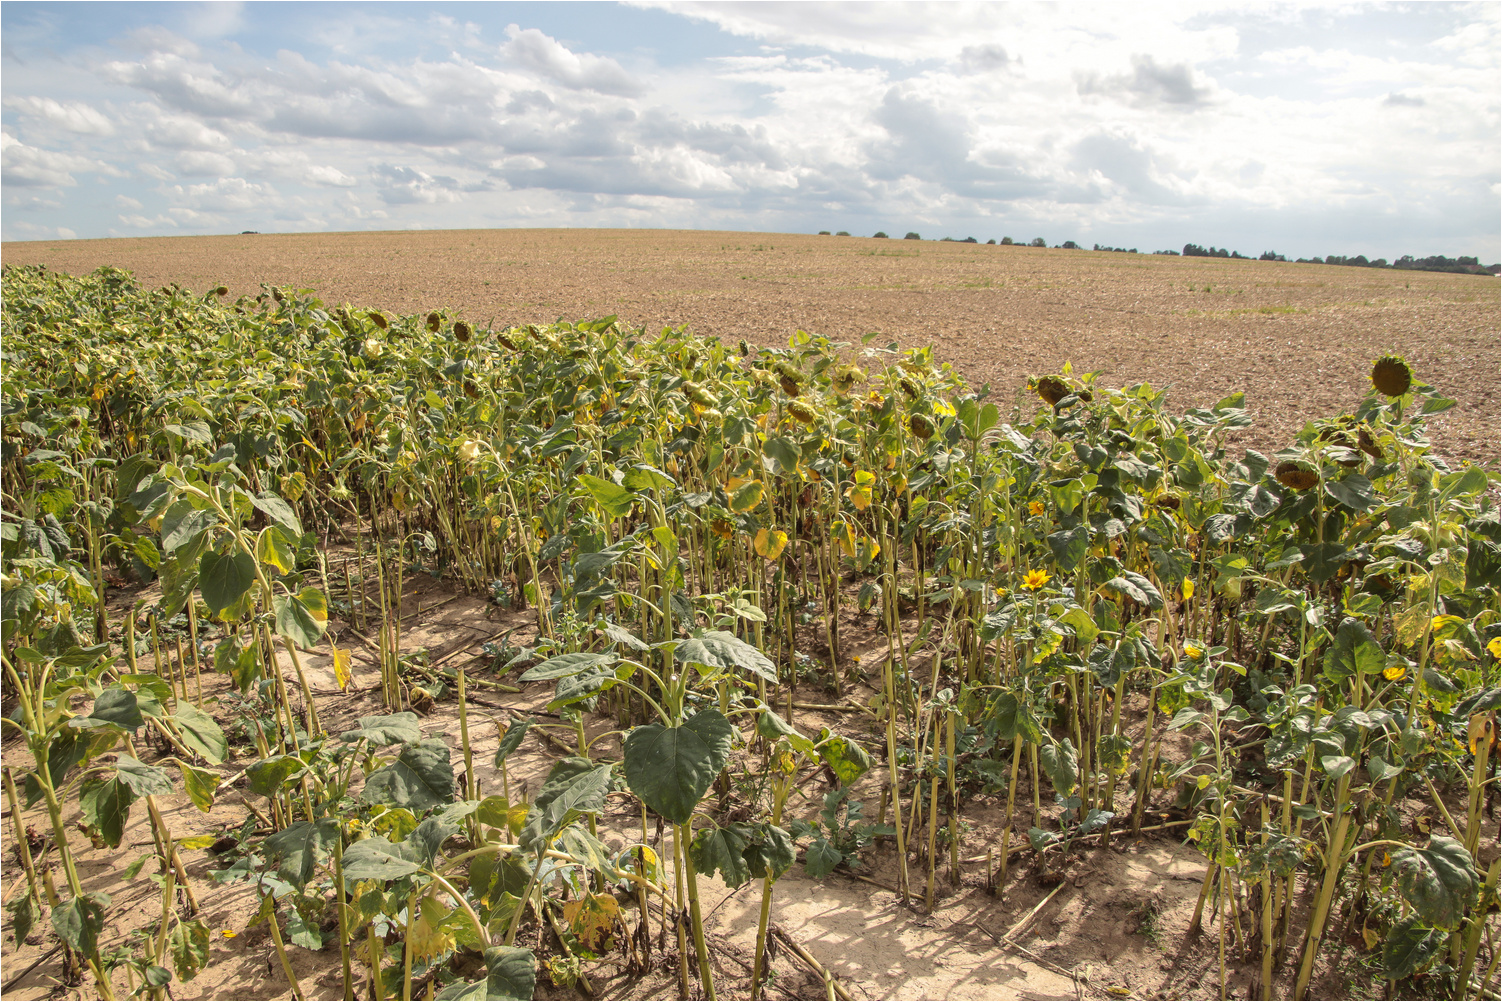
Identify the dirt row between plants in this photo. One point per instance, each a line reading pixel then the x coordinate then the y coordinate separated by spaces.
pixel 1296 338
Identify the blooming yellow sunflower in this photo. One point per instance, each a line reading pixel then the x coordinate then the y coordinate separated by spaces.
pixel 1035 507
pixel 1193 653
pixel 1495 646
pixel 1394 672
pixel 1035 580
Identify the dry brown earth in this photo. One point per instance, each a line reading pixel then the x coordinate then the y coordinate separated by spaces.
pixel 1296 338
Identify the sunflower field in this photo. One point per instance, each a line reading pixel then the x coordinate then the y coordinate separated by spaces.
pixel 1091 610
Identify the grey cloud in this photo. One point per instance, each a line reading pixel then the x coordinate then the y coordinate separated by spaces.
pixel 180 132
pixel 409 186
pixel 185 86
pixel 544 55
pixel 1397 99
pixel 731 143
pixel 985 58
pixel 1149 83
pixel 524 101
pixel 1125 162
pixel 934 145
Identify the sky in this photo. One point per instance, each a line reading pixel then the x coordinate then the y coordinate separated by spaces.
pixel 1306 129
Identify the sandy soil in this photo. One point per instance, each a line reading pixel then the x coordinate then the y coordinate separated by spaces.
pixel 1298 339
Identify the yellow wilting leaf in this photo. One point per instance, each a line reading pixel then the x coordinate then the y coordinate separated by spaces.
pixel 1438 623
pixel 428 936
pixel 592 919
pixel 898 482
pixel 1479 731
pixel 770 544
pixel 844 538
pixel 747 496
pixel 1188 588
pixel 1371 937
pixel 859 493
pixel 342 673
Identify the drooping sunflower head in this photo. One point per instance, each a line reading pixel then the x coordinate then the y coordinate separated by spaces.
pixel 461 330
pixel 1295 475
pixel 1368 445
pixel 1051 388
pixel 921 426
pixel 802 412
pixel 1391 375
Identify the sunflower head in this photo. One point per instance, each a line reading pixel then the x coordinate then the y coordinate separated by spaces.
pixel 1296 476
pixel 1035 579
pixel 920 426
pixel 802 412
pixel 1051 388
pixel 1391 376
pixel 1394 673
pixel 1368 445
pixel 1035 508
pixel 434 322
pixel 461 330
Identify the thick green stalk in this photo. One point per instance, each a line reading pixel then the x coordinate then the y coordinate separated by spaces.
pixel 1335 857
pixel 706 974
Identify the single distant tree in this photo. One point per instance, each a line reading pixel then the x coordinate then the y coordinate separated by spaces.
pixel 878 235
pixel 1070 245
pixel 912 236
pixel 1006 241
pixel 1038 242
pixel 823 233
pixel 843 233
pixel 991 242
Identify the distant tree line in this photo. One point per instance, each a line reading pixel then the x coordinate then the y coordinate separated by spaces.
pixel 1436 262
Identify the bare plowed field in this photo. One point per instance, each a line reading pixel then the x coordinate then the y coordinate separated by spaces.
pixel 1296 338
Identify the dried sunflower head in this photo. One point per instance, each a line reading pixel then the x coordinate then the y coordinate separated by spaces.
pixel 1051 388
pixel 434 322
pixel 802 412
pixel 1391 375
pixel 461 330
pixel 920 426
pixel 1291 474
pixel 1368 445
